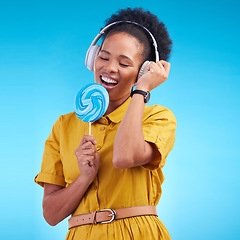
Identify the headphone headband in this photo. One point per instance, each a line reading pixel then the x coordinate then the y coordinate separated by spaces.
pixel 102 32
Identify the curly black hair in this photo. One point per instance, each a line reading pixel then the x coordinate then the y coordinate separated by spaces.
pixel 149 21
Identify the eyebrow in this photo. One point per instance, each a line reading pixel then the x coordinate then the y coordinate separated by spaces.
pixel 105 51
pixel 121 56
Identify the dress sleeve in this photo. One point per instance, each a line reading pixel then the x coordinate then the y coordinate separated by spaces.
pixel 159 128
pixel 52 168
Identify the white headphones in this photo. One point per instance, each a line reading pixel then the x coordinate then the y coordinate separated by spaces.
pixel 94 49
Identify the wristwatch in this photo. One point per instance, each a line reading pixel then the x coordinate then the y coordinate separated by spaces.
pixel 146 95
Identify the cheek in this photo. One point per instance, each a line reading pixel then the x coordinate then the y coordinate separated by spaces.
pixel 132 77
pixel 98 64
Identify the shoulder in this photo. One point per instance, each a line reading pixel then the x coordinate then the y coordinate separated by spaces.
pixel 158 112
pixel 68 117
pixel 68 120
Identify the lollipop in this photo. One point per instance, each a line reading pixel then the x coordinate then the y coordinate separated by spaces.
pixel 91 102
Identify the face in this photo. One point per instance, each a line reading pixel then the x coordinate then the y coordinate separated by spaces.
pixel 117 65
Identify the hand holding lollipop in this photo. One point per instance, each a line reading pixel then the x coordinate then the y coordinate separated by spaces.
pixel 91 102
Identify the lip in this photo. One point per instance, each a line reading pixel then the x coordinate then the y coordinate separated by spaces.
pixel 107 86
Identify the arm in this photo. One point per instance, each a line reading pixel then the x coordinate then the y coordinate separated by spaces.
pixel 130 149
pixel 59 202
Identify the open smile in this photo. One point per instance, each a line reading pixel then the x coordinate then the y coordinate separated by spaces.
pixel 108 82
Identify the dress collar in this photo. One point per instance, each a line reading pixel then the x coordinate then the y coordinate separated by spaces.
pixel 118 114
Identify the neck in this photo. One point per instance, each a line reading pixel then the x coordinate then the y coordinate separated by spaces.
pixel 114 104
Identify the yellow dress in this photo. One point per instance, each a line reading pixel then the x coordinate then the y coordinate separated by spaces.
pixel 112 188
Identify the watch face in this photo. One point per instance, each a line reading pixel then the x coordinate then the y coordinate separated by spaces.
pixel 147 97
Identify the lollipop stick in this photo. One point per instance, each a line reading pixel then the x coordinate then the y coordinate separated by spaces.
pixel 89 128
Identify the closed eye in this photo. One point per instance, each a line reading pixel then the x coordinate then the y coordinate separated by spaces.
pixel 123 65
pixel 105 59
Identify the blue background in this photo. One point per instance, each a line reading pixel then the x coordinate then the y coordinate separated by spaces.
pixel 42 51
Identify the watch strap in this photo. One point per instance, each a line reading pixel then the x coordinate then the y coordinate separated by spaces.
pixel 145 94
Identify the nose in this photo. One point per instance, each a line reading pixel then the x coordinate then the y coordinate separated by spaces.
pixel 111 66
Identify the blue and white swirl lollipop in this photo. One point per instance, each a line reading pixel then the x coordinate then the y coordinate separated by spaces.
pixel 91 102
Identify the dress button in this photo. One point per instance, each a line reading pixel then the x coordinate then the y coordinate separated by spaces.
pixel 102 128
pixel 103 121
pixel 95 187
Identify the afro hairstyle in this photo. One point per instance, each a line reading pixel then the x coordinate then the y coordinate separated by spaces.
pixel 149 21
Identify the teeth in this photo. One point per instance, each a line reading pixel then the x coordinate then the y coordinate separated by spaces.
pixel 108 80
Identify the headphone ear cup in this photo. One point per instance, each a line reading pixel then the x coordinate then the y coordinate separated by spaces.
pixel 142 69
pixel 91 56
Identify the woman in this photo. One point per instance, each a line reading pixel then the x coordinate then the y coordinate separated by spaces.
pixel 111 181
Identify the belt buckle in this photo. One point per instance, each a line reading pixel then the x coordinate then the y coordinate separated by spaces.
pixel 113 214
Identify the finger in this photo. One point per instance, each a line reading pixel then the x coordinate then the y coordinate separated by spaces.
pixel 89 152
pixel 165 65
pixel 96 159
pixel 87 158
pixel 88 138
pixel 88 163
pixel 155 67
pixel 83 151
pixel 85 163
pixel 87 145
pixel 150 67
